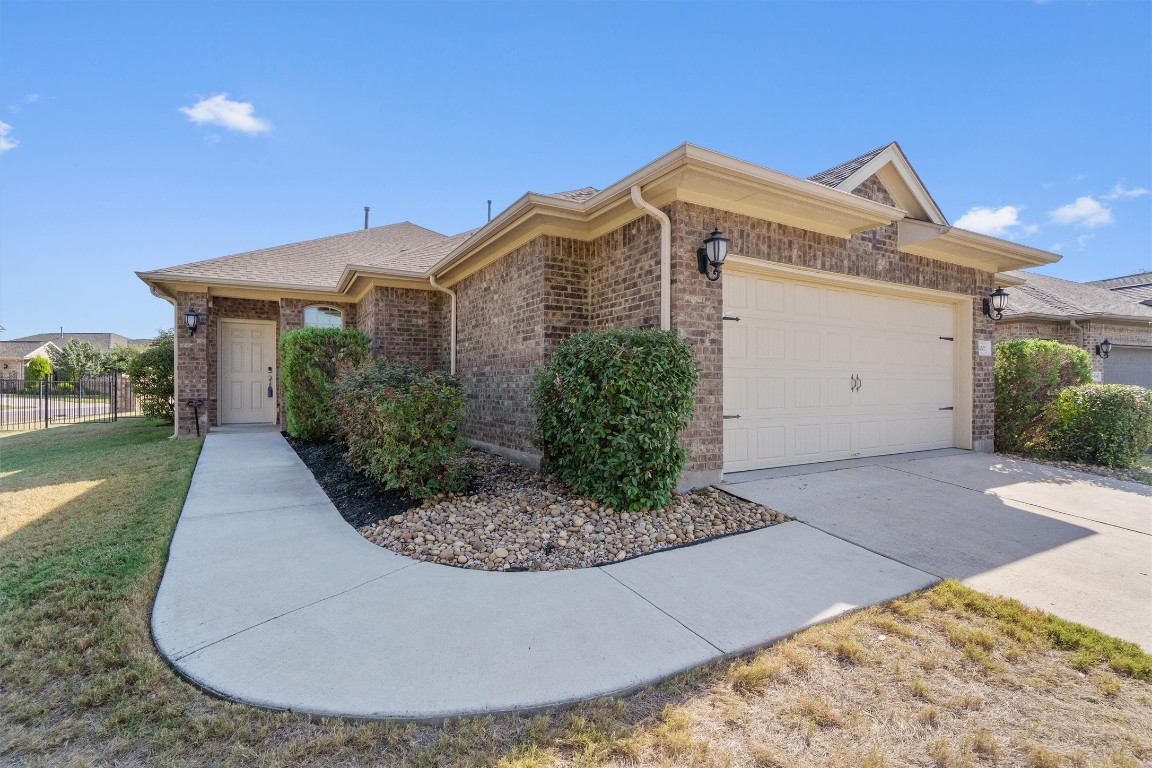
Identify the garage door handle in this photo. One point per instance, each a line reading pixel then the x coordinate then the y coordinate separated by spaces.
pixel 732 417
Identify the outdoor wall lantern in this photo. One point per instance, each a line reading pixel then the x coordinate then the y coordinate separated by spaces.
pixel 1104 348
pixel 995 304
pixel 192 319
pixel 711 256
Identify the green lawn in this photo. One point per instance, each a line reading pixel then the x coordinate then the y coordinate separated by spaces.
pixel 945 678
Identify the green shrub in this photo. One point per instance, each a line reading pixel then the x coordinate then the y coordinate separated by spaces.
pixel 610 406
pixel 153 382
pixel 1029 373
pixel 76 360
pixel 310 359
pixel 401 425
pixel 1109 424
pixel 37 369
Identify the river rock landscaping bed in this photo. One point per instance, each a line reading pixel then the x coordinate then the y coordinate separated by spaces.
pixel 513 518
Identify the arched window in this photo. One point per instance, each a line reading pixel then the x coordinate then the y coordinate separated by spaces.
pixel 323 317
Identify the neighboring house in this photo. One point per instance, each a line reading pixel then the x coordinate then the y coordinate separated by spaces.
pixel 1085 314
pixel 847 322
pixel 15 354
pixel 102 341
pixel 1137 288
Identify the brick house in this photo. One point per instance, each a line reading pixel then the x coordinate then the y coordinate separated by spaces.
pixel 1087 314
pixel 15 355
pixel 847 322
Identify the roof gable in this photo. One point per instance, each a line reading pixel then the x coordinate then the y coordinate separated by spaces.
pixel 889 165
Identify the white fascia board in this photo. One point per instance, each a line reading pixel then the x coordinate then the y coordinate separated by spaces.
pixel 685 154
pixel 892 154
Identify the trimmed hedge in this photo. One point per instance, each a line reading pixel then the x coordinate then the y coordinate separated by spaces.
pixel 37 369
pixel 1108 424
pixel 310 359
pixel 1029 373
pixel 401 425
pixel 610 405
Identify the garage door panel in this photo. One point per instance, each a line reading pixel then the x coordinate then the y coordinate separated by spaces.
pixel 790 365
pixel 1129 365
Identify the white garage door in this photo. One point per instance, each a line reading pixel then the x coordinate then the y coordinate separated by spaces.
pixel 1129 365
pixel 817 373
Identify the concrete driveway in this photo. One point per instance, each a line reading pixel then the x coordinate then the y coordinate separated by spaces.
pixel 1074 544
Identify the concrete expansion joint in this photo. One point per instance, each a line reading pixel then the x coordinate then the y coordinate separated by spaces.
pixel 185 654
pixel 212 515
pixel 719 650
pixel 1022 501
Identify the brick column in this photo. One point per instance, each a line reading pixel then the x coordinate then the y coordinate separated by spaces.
pixel 191 364
pixel 983 370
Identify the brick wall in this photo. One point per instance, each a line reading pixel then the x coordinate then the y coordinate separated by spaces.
pixel 1090 334
pixel 500 343
pixel 191 365
pixel 406 325
pixel 624 276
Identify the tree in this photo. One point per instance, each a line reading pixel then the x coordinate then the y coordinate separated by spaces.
pixel 38 368
pixel 118 359
pixel 153 379
pixel 77 360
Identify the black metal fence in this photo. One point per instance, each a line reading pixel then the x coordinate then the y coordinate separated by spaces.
pixel 26 404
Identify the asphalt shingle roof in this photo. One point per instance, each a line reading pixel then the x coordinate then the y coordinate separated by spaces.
pixel 18 349
pixel 320 263
pixel 1137 288
pixel 1044 295
pixel 104 341
pixel 577 195
pixel 834 176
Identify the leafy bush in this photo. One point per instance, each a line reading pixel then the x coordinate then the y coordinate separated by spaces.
pixel 401 425
pixel 1029 373
pixel 610 405
pixel 151 372
pixel 38 368
pixel 310 358
pixel 76 360
pixel 118 359
pixel 1109 424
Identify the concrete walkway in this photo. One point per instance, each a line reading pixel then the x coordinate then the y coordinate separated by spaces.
pixel 270 598
pixel 1074 544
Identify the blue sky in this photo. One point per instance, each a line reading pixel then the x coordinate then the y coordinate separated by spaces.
pixel 1032 121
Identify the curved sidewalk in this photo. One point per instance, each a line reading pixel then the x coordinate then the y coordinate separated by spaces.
pixel 270 598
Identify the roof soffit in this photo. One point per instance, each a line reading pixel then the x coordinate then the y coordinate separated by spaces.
pixel 898 176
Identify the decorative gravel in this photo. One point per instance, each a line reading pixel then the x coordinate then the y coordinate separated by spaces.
pixel 1133 474
pixel 521 520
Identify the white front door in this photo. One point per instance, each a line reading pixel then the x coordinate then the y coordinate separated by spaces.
pixel 817 372
pixel 247 360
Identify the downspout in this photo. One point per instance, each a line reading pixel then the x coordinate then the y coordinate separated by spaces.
pixel 665 256
pixel 437 286
pixel 1079 330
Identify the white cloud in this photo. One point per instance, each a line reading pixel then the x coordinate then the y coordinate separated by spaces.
pixel 1082 240
pixel 222 111
pixel 1084 212
pixel 1120 191
pixel 6 142
pixel 991 221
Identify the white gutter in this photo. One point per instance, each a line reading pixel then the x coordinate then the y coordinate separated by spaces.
pixel 437 286
pixel 665 256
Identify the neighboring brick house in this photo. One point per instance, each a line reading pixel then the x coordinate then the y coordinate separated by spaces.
pixel 847 322
pixel 102 341
pixel 15 354
pixel 1086 314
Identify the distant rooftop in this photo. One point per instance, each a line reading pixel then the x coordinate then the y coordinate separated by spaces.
pixel 1051 296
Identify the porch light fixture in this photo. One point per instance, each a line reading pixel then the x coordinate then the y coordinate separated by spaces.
pixel 995 304
pixel 711 257
pixel 192 319
pixel 1104 348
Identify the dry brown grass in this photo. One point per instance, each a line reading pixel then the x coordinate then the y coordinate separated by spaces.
pixel 944 678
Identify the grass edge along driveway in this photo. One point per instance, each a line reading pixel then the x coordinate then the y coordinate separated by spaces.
pixel 948 677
